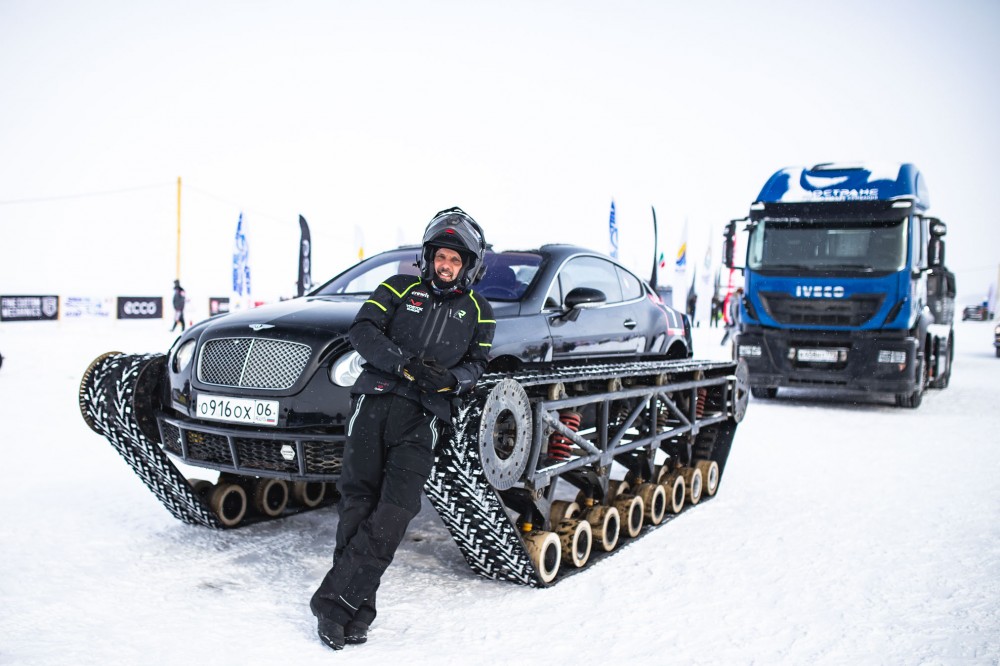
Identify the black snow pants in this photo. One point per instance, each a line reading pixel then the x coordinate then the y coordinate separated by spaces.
pixel 387 459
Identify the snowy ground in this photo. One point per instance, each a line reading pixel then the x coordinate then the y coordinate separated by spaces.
pixel 845 531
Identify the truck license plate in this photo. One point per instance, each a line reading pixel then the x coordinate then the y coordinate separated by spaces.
pixel 818 355
pixel 237 410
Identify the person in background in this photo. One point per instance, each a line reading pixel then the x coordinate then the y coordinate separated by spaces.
pixel 180 298
pixel 733 317
pixel 425 339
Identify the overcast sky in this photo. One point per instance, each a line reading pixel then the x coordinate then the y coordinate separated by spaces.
pixel 368 117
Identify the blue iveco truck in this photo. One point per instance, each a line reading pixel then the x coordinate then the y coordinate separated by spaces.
pixel 845 284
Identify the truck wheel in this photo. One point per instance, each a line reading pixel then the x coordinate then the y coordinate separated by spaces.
pixel 577 539
pixel 764 392
pixel 545 553
pixel 913 400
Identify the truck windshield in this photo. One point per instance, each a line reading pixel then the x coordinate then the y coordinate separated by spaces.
pixel 828 245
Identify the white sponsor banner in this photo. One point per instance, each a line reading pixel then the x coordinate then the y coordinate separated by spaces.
pixel 88 306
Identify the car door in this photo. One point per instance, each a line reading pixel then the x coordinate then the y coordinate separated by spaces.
pixel 611 328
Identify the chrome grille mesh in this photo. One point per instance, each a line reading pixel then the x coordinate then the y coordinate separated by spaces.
pixel 252 362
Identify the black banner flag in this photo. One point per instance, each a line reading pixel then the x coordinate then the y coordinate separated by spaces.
pixel 305 250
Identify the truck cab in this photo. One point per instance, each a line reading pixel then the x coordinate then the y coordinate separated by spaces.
pixel 845 285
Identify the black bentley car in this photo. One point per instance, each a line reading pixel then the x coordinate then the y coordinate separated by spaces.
pixel 257 376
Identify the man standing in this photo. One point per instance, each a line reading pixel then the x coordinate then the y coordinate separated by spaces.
pixel 180 298
pixel 424 340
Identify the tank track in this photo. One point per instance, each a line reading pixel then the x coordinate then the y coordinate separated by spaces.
pixel 117 399
pixel 108 392
pixel 487 532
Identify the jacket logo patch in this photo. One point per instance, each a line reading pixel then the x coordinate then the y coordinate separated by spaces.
pixel 380 386
pixel 460 314
pixel 420 294
pixel 415 306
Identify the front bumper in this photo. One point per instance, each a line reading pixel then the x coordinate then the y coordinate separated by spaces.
pixel 778 357
pixel 283 454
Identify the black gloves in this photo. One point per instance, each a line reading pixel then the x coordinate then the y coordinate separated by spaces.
pixel 429 376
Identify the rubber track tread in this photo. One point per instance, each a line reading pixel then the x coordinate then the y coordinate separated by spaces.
pixel 106 401
pixel 471 508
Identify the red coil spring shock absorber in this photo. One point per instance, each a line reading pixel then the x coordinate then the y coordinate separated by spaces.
pixel 559 444
pixel 699 409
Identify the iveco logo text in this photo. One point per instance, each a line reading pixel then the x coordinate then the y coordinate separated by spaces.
pixel 139 307
pixel 817 291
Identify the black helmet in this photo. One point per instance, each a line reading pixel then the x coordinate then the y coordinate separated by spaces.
pixel 455 229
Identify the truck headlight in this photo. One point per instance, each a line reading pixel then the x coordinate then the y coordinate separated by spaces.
pixel 346 369
pixel 889 356
pixel 183 356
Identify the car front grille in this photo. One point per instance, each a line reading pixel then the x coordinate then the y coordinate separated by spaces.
pixel 259 363
pixel 853 311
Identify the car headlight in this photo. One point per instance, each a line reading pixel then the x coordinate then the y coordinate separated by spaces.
pixel 183 356
pixel 346 369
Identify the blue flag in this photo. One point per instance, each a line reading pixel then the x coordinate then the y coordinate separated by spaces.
pixel 241 266
pixel 613 231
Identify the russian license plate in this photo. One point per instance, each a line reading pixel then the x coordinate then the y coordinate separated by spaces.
pixel 237 410
pixel 818 355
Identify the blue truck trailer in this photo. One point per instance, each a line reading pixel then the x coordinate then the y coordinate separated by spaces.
pixel 844 283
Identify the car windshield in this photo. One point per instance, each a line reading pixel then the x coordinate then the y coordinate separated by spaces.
pixel 507 277
pixel 828 245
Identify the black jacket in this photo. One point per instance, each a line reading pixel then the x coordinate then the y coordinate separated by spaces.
pixel 405 319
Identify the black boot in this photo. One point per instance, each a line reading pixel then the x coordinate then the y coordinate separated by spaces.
pixel 331 633
pixel 356 632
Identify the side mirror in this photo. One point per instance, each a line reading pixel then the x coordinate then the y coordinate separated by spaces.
pixel 729 244
pixel 584 297
pixel 935 246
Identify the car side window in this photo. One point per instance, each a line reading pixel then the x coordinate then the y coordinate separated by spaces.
pixel 587 272
pixel 631 287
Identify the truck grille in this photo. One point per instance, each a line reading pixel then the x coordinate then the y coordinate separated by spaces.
pixel 252 362
pixel 853 311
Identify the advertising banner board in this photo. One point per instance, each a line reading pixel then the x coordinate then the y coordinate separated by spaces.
pixel 140 307
pixel 77 307
pixel 218 305
pixel 29 308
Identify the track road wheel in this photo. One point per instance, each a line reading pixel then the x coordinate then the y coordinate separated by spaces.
pixel 86 386
pixel 632 513
pixel 654 498
pixel 563 510
pixel 229 502
pixel 693 481
pixel 545 552
pixel 577 539
pixel 606 524
pixel 201 486
pixel 709 476
pixel 617 488
pixel 308 493
pixel 675 488
pixel 270 496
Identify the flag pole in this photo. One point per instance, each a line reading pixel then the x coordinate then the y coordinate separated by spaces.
pixel 178 271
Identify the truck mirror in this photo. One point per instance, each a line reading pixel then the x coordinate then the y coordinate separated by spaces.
pixel 935 252
pixel 937 228
pixel 728 244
